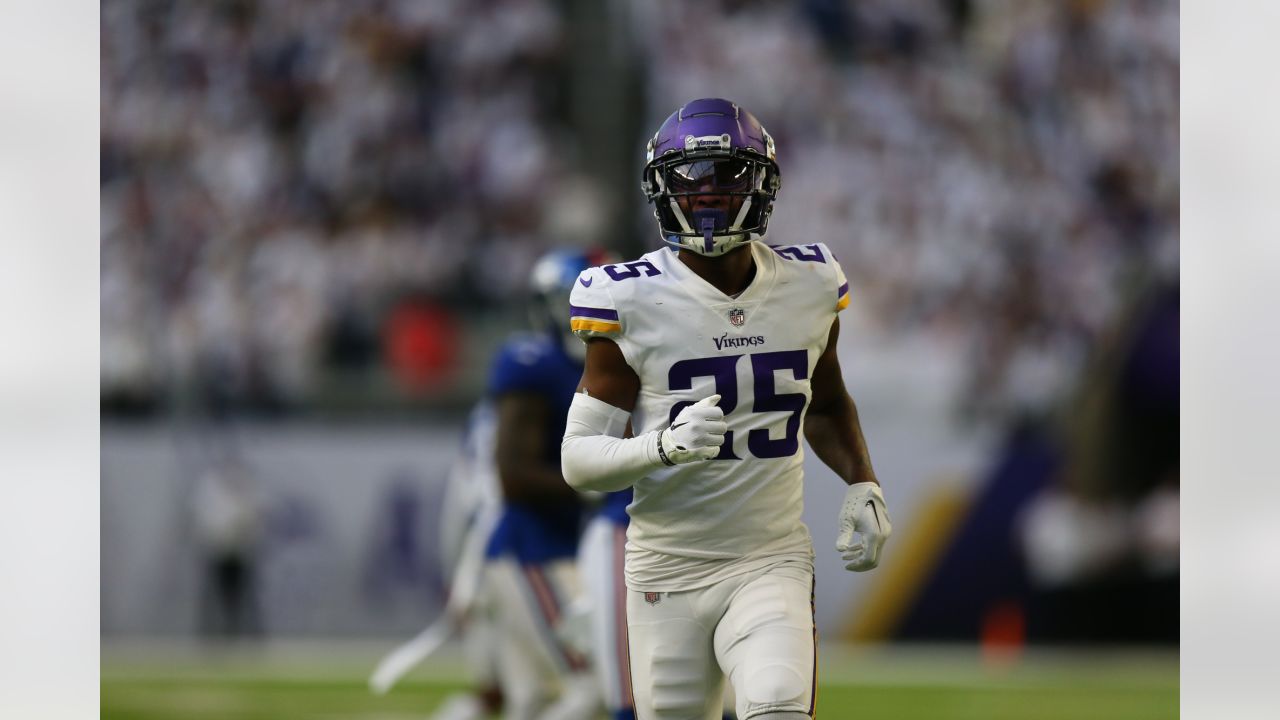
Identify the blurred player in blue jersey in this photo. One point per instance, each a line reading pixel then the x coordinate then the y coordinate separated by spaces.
pixel 531 575
pixel 706 363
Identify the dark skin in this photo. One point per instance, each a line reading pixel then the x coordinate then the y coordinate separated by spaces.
pixel 831 422
pixel 528 478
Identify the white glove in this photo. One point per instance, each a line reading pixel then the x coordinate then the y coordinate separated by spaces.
pixel 696 434
pixel 864 514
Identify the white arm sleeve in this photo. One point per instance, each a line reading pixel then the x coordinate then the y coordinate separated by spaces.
pixel 595 456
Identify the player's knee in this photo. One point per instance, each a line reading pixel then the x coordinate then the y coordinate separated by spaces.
pixel 776 691
pixel 775 684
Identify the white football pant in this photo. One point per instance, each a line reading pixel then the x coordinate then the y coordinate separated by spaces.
pixel 481 643
pixel 541 678
pixel 757 629
pixel 600 558
pixel 480 650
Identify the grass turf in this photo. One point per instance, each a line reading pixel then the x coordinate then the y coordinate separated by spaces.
pixel 888 683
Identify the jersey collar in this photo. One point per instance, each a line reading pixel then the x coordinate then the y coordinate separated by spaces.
pixel 708 294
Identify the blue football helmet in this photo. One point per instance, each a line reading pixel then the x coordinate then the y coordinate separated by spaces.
pixel 550 283
pixel 711 148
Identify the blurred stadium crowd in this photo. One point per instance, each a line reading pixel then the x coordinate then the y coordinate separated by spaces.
pixel 280 179
pixel 277 175
pixel 304 196
pixel 998 175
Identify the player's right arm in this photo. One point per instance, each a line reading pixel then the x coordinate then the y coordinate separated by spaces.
pixel 595 454
pixel 607 376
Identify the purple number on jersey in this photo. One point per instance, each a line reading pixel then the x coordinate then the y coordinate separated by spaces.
pixel 768 399
pixel 796 252
pixel 632 269
pixel 721 368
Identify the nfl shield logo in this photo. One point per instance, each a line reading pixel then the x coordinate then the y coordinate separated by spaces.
pixel 651 598
pixel 736 317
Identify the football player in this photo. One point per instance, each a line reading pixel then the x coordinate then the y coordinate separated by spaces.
pixel 530 571
pixel 720 351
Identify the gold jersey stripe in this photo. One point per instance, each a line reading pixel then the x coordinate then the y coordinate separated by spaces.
pixel 600 326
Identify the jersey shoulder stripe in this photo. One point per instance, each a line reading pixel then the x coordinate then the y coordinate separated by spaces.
pixel 590 319
pixel 601 296
pixel 592 312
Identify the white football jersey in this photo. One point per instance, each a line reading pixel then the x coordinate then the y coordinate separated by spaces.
pixel 694 524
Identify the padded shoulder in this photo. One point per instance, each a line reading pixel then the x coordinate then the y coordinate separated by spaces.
pixel 819 258
pixel 524 363
pixel 592 312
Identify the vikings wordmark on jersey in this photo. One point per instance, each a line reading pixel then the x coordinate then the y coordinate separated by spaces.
pixel 686 340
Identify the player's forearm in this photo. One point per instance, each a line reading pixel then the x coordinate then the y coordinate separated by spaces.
pixel 836 437
pixel 606 464
pixel 594 456
pixel 534 485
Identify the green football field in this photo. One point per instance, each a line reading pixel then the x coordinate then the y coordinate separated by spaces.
pixel 932 683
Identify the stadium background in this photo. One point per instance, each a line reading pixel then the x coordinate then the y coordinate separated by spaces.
pixel 317 218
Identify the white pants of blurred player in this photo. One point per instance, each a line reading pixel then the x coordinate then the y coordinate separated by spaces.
pixel 541 677
pixel 757 629
pixel 600 558
pixel 481 647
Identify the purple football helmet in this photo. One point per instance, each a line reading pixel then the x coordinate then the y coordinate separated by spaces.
pixel 711 147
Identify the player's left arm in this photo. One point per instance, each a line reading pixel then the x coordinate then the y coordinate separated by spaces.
pixel 834 432
pixel 831 425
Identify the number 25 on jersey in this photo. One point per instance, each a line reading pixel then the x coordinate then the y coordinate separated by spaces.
pixel 723 370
